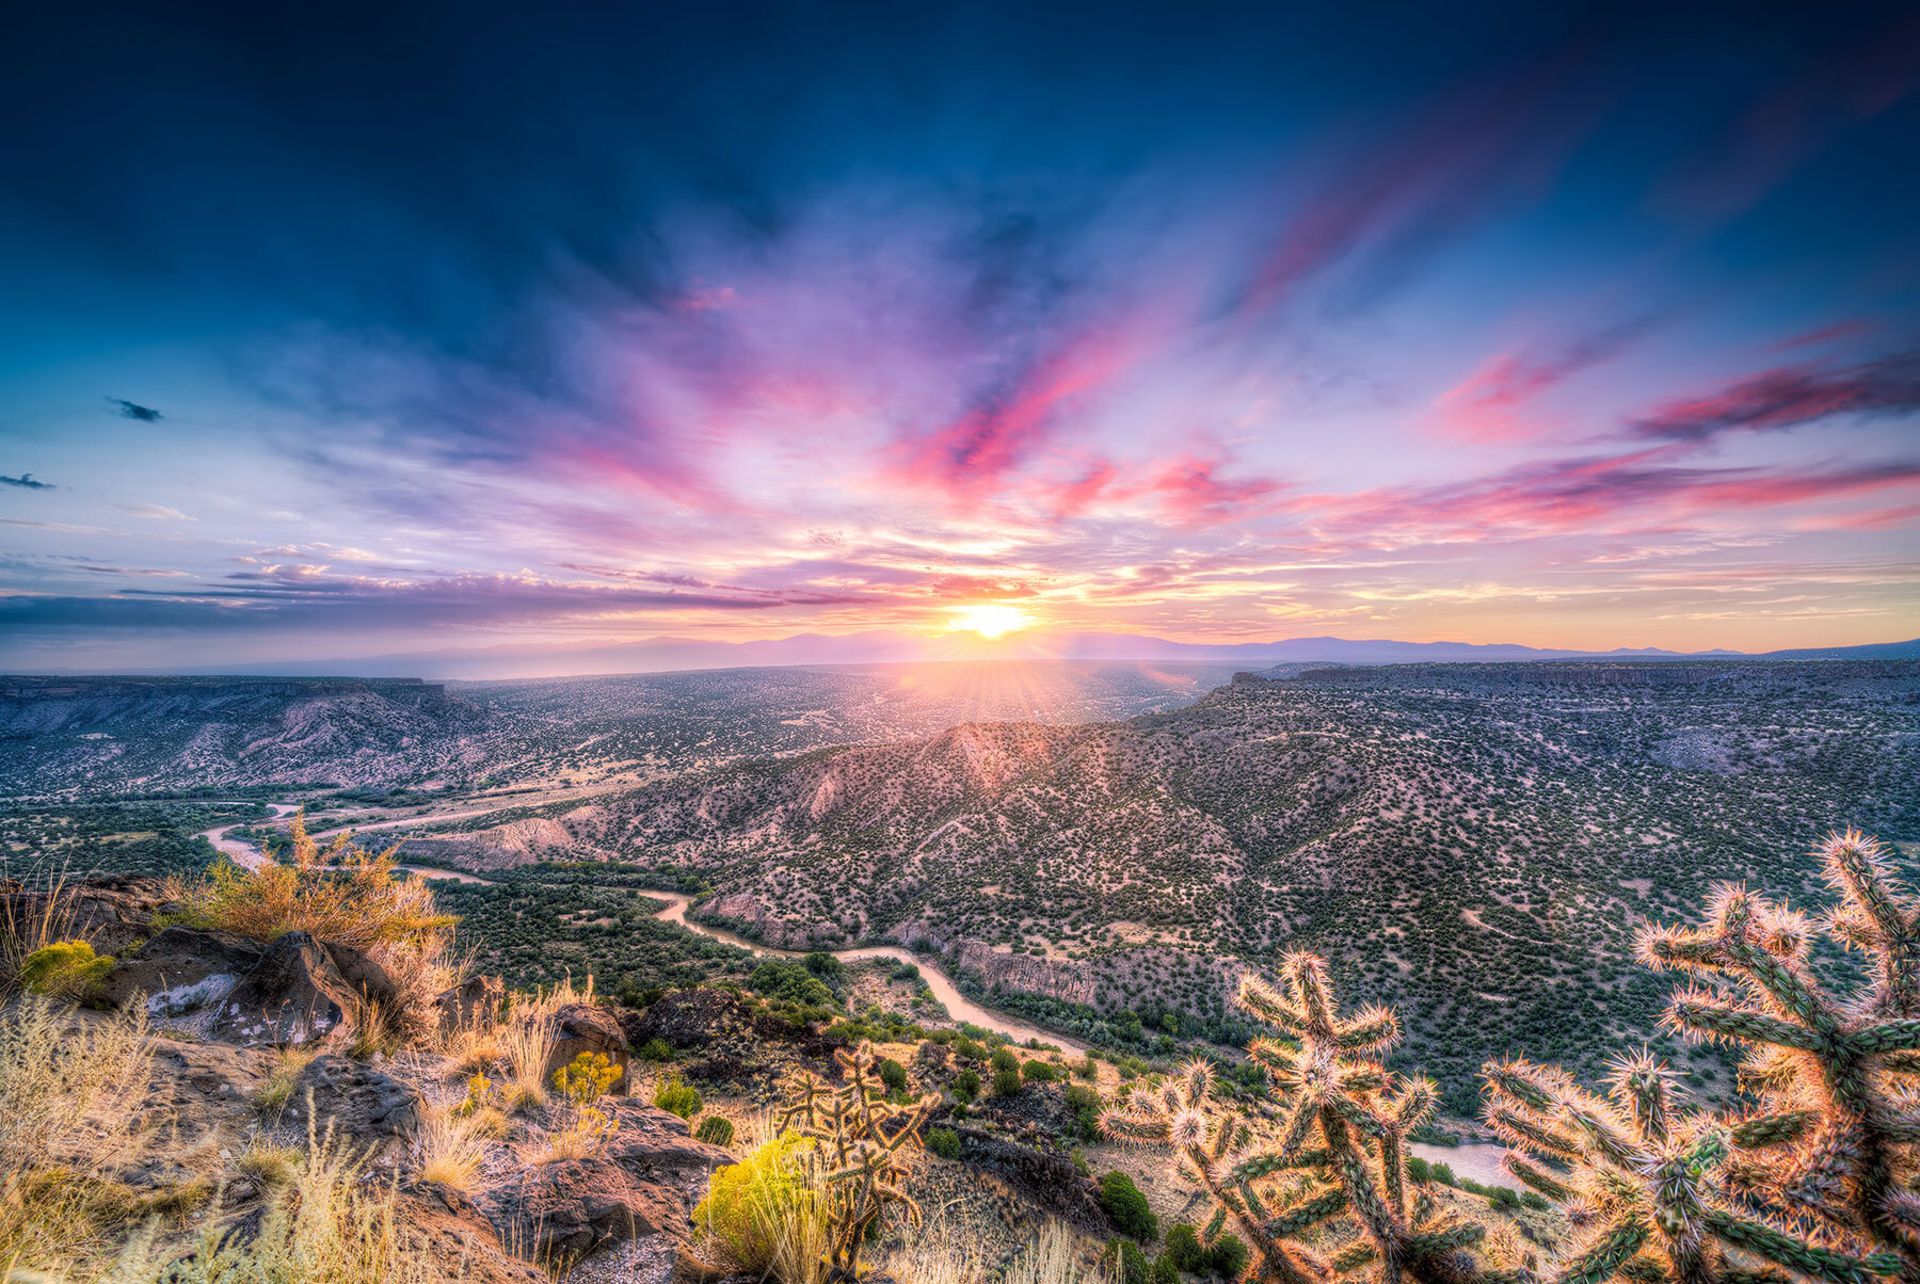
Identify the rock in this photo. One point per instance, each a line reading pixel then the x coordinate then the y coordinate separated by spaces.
pixel 182 969
pixel 474 1003
pixel 359 1103
pixel 113 911
pixel 691 1018
pixel 581 1027
pixel 659 1148
pixel 294 995
pixel 565 1210
pixel 366 978
pixel 447 1228
pixel 1043 1179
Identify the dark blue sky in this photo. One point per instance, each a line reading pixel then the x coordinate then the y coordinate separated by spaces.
pixel 325 330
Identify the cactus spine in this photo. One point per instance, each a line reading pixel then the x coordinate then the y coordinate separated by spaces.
pixel 1831 1137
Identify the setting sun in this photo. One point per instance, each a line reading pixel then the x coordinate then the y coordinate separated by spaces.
pixel 990 620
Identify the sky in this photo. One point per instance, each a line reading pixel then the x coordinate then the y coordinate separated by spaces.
pixel 335 332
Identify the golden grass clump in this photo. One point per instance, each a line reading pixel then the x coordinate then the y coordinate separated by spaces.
pixel 452 1148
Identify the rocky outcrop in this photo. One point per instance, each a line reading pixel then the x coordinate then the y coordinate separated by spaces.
pixel 181 970
pixel 583 1028
pixel 1042 1178
pixel 113 911
pixel 294 995
pixel 643 1186
pixel 361 1105
pixel 472 1004
pixel 695 1018
pixel 449 1229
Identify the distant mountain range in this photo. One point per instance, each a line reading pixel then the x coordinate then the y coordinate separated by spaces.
pixel 666 654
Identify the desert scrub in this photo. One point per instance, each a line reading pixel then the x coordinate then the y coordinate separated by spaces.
pixel 64 970
pixel 450 1148
pixel 767 1213
pixel 715 1130
pixel 677 1097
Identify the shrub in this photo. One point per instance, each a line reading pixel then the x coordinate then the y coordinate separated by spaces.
pixel 715 1130
pixel 1004 1059
pixel 586 1078
pixel 1228 1257
pixel 1162 1271
pixel 790 982
pixel 1038 1071
pixel 677 1097
pixel 1125 1263
pixel 893 1074
pixel 766 1213
pixel 944 1142
pixel 1006 1083
pixel 64 970
pixel 1127 1208
pixel 966 1085
pixel 654 1050
pixel 1086 1105
pixel 1184 1249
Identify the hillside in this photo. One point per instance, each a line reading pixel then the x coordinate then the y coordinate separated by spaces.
pixel 1436 831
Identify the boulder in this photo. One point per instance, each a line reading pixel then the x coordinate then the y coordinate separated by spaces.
pixel 113 911
pixel 367 979
pixel 451 1232
pixel 562 1211
pixel 582 1027
pixel 181 970
pixel 472 1004
pixel 294 995
pixel 360 1104
pixel 658 1148
pixel 691 1018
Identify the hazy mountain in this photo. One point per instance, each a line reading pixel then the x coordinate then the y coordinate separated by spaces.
pixel 668 654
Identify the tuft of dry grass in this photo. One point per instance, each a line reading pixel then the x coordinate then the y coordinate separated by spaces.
pixel 1052 1258
pixel 28 926
pixel 451 1148
pixel 329 1224
pixel 525 1040
pixel 274 1094
pixel 64 1129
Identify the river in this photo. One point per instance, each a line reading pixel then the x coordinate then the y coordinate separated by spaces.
pixel 958 1005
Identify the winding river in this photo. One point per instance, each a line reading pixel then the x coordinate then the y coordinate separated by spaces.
pixel 958 1005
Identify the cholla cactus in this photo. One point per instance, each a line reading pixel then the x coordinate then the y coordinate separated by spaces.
pixel 866 1145
pixel 1644 1179
pixel 1212 1149
pixel 1835 1125
pixel 1342 1138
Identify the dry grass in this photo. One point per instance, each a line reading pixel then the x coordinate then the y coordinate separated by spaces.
pixel 28 927
pixel 525 1039
pixel 330 1224
pixel 65 1127
pixel 452 1148
pixel 1052 1258
pixel 277 1091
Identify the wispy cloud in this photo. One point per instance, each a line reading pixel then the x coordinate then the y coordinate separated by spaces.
pixel 26 481
pixel 134 410
pixel 1789 397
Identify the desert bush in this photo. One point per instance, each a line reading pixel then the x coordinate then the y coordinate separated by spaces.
pixel 64 970
pixel 966 1085
pixel 767 1213
pixel 1037 1071
pixel 944 1142
pixel 677 1097
pixel 1126 1207
pixel 587 1078
pixel 893 1075
pixel 715 1130
pixel 1006 1083
pixel 1125 1263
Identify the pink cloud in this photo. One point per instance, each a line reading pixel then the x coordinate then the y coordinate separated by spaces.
pixel 1789 396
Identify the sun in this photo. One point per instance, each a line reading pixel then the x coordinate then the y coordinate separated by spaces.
pixel 990 620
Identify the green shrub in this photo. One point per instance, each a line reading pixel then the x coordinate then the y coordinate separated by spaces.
pixel 655 1050
pixel 715 1130
pixel 1228 1257
pixel 966 1085
pixel 1127 1208
pixel 1038 1071
pixel 1185 1251
pixel 64 970
pixel 677 1098
pixel 1006 1083
pixel 790 982
pixel 1086 1105
pixel 1162 1271
pixel 893 1074
pixel 750 1206
pixel 1004 1059
pixel 1125 1262
pixel 944 1142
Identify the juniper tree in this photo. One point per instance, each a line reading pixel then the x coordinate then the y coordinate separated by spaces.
pixel 1645 1180
pixel 1837 1113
